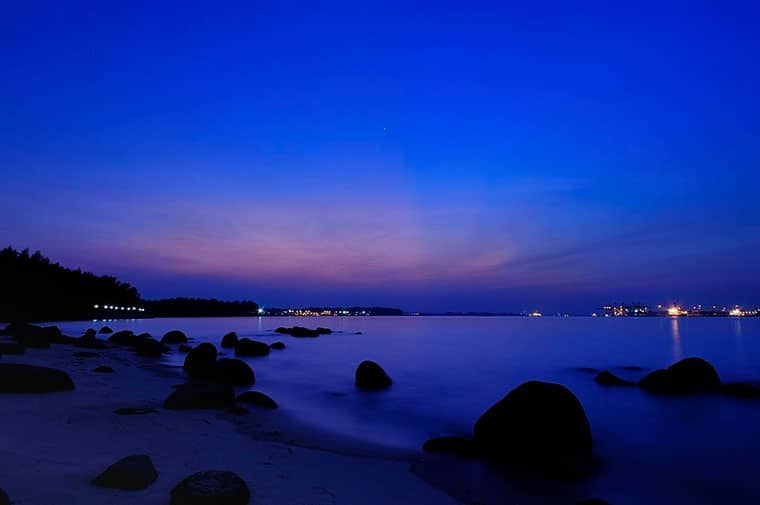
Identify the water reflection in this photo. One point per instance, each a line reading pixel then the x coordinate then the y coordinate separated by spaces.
pixel 736 326
pixel 676 336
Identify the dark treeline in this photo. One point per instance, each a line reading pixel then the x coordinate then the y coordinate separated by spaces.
pixel 32 288
pixel 198 307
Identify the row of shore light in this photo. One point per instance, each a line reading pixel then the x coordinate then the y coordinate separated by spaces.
pixel 114 307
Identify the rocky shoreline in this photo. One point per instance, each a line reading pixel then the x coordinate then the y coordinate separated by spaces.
pixel 109 433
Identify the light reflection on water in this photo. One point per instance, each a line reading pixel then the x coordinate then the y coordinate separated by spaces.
pixel 676 338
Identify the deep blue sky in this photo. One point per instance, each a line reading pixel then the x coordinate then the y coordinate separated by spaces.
pixel 429 155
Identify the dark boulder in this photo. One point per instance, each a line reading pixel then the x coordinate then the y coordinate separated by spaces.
pixel 105 329
pixel 104 369
pixel 200 395
pixel 690 375
pixel 89 334
pixel 277 345
pixel 323 331
pixel 233 371
pixel 11 348
pixel 30 335
pixel 258 399
pixel 230 339
pixel 300 331
pixel 86 354
pixel 248 347
pixel 741 390
pixel 538 427
pixel 174 337
pixel 370 375
pixel 214 487
pixel 130 473
pixel 457 446
pixel 606 378
pixel 184 348
pixel 150 347
pixel 123 337
pixel 134 411
pixel 16 378
pixel 200 361
pixel 4 499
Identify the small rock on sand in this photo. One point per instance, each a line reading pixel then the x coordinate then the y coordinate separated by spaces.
pixel 130 473
pixel 15 378
pixel 214 487
pixel 86 354
pixel 134 411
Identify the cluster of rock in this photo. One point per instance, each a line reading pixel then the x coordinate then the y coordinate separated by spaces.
pixel 212 487
pixel 688 376
pixel 300 331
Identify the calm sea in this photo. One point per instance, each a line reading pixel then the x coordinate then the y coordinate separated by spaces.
pixel 448 370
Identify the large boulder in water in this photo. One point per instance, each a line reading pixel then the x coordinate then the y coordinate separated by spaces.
pixel 201 395
pixel 248 347
pixel 130 473
pixel 538 427
pixel 370 375
pixel 200 361
pixel 123 337
pixel 233 371
pixel 258 399
pixel 300 331
pixel 277 345
pixel 105 329
pixel 214 487
pixel 607 378
pixel 690 375
pixel 150 347
pixel 230 339
pixel 174 337
pixel 15 378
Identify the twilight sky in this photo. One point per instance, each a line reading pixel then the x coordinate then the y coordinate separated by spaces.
pixel 429 155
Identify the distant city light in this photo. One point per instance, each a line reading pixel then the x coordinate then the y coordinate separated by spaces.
pixel 96 306
pixel 535 314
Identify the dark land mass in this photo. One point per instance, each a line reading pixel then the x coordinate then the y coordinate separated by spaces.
pixel 36 289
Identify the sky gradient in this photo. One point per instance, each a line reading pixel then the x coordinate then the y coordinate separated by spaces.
pixel 433 156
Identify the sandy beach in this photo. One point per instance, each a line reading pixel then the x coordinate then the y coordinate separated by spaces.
pixel 54 444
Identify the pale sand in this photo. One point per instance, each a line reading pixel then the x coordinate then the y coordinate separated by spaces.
pixel 54 444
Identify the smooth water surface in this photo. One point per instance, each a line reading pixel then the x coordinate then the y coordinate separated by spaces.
pixel 448 370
